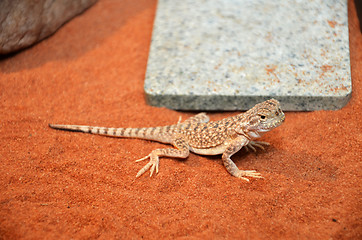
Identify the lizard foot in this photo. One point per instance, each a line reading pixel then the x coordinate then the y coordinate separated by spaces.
pixel 253 144
pixel 153 164
pixel 248 173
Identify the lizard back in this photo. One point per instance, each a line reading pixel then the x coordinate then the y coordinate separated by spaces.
pixel 207 135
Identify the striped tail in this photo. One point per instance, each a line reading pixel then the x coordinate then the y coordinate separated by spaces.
pixel 152 133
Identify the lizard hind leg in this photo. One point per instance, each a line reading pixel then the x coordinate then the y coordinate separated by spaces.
pixel 198 118
pixel 182 151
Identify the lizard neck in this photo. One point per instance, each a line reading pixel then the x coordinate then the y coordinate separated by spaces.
pixel 254 134
pixel 250 135
pixel 240 122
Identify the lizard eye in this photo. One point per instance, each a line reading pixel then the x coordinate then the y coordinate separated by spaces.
pixel 262 116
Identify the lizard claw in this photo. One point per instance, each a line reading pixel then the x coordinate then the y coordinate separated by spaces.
pixel 248 173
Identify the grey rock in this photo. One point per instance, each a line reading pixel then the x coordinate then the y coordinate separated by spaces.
pixel 232 54
pixel 24 22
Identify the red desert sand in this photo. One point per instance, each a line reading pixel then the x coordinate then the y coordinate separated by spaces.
pixel 64 185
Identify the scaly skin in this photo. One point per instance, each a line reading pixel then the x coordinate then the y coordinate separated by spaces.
pixel 198 135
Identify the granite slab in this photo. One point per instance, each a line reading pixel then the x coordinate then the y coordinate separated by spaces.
pixel 232 54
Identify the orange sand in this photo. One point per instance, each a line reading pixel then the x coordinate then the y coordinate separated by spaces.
pixel 66 185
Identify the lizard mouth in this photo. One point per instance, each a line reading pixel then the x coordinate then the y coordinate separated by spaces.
pixel 273 124
pixel 282 118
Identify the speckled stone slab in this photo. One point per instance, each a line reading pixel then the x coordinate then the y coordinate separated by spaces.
pixel 232 54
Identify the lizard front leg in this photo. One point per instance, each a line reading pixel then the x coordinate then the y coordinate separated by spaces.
pixel 182 151
pixel 230 166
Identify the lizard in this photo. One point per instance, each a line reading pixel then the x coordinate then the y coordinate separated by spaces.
pixel 201 136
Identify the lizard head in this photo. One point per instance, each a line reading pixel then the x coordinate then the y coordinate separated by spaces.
pixel 262 118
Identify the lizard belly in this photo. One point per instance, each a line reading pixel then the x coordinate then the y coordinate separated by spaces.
pixel 219 149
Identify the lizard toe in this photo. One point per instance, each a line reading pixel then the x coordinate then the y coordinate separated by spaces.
pixel 259 144
pixel 144 158
pixel 152 165
pixel 249 173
